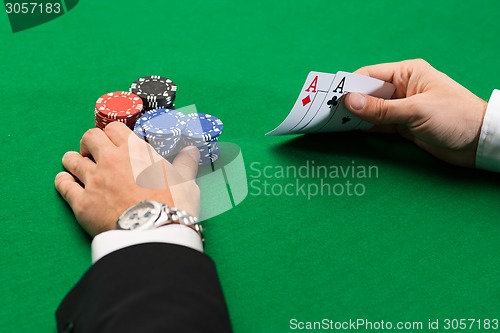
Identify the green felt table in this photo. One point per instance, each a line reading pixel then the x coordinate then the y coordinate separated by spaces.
pixel 420 243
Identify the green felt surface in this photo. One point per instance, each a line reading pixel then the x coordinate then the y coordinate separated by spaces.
pixel 422 242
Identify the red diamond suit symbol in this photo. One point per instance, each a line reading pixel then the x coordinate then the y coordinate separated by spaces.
pixel 306 100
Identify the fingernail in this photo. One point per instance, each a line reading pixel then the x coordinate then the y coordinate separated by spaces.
pixel 356 101
pixel 68 153
pixel 60 174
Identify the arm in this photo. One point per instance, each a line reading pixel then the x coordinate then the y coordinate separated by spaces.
pixel 141 281
pixel 153 287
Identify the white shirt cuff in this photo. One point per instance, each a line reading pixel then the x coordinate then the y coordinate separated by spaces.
pixel 114 240
pixel 488 149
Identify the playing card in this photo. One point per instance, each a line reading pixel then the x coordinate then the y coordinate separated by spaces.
pixel 330 116
pixel 311 97
pixel 320 105
pixel 340 118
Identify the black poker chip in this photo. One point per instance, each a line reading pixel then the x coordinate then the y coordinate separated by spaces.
pixel 155 91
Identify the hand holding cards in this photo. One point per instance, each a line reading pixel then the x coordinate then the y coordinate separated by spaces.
pixel 320 106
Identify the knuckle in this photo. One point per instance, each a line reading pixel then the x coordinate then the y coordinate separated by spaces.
pixel 420 62
pixel 414 113
pixel 89 134
pixel 362 70
pixel 113 158
pixel 79 208
pixel 65 189
pixel 382 109
pixel 70 160
pixel 113 125
pixel 97 181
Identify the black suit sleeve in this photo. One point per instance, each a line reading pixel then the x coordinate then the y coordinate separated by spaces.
pixel 145 288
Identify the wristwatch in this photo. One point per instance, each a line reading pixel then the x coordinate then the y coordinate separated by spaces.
pixel 147 215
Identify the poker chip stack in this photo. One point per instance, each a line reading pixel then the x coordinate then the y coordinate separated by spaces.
pixel 162 129
pixel 168 131
pixel 202 130
pixel 119 106
pixel 149 109
pixel 155 92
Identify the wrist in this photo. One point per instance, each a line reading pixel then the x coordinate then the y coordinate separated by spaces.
pixel 476 124
pixel 149 215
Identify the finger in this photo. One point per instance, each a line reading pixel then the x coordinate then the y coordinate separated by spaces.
pixel 144 159
pixel 68 187
pixel 389 73
pixel 118 133
pixel 78 165
pixel 94 143
pixel 380 111
pixel 397 73
pixel 384 72
pixel 186 162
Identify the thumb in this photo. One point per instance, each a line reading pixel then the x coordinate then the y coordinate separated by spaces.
pixel 378 111
pixel 186 162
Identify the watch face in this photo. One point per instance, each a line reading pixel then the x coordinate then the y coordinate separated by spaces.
pixel 138 216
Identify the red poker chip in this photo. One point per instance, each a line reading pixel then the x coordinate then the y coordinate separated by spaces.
pixel 119 105
pixel 103 121
pixel 101 124
pixel 123 120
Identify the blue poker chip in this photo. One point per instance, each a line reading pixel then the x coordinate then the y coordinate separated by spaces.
pixel 202 127
pixel 167 152
pixel 138 129
pixel 168 131
pixel 165 141
pixel 210 153
pixel 208 160
pixel 163 145
pixel 201 145
pixel 209 157
pixel 208 149
pixel 206 157
pixel 187 141
pixel 143 135
pixel 159 123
